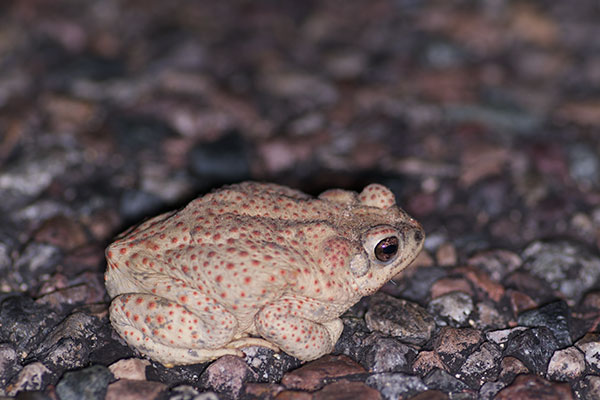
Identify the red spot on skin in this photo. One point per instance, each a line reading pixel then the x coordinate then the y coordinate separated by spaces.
pixel 151 305
pixel 123 250
pixel 160 319
pixel 139 300
pixel 183 299
pixel 230 266
pixel 219 278
pixel 247 279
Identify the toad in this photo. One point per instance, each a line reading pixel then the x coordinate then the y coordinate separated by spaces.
pixel 254 264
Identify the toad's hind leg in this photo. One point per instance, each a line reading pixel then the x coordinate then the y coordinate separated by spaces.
pixel 167 332
pixel 290 325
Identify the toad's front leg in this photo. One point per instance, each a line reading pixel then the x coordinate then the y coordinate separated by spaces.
pixel 291 325
pixel 170 333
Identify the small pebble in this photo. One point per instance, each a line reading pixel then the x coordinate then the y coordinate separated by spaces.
pixel 446 255
pixel 32 377
pixel 451 309
pixel 130 368
pixel 590 345
pixel 566 364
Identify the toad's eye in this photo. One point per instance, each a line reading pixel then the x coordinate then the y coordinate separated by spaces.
pixel 387 249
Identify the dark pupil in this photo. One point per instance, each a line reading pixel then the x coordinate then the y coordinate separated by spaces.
pixel 387 248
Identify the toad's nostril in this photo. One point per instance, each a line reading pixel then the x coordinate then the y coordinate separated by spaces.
pixel 419 236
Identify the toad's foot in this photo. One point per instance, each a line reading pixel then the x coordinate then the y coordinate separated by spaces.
pixel 251 341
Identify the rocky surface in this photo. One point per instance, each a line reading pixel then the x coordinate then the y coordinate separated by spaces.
pixel 483 117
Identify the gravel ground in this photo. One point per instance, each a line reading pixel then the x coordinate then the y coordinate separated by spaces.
pixel 482 116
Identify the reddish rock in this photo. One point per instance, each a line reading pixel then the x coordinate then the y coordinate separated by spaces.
pixel 448 285
pixel 497 263
pixel 62 232
pixel 311 376
pixel 431 395
pixel 453 345
pixel 532 387
pixel 293 395
pixel 520 302
pixel 344 389
pixel 511 367
pixel 262 390
pixel 74 295
pixel 427 361
pixel 591 301
pixel 126 389
pixel 483 282
pixel 446 255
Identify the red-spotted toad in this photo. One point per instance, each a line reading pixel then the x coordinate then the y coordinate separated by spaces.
pixel 255 264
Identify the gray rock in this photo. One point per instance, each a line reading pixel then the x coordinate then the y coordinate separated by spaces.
pixel 554 316
pixel 268 366
pixel 502 336
pixel 135 204
pixel 441 380
pixel 9 364
pixel 565 266
pixel 451 309
pixel 584 164
pixel 489 390
pixel 589 387
pixel 35 260
pixel 407 321
pixel 25 324
pixel 89 383
pixel 393 386
pixel 533 347
pixel 224 160
pixel 70 343
pixel 34 172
